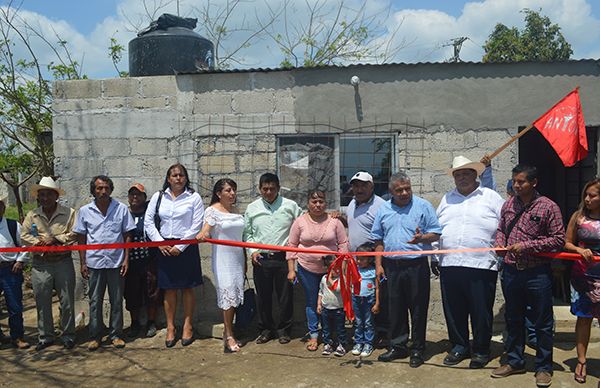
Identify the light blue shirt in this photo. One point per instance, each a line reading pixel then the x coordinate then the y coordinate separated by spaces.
pixel 360 220
pixel 101 229
pixel 487 178
pixel 367 283
pixel 395 225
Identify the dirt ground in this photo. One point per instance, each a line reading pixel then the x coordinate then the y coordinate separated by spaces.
pixel 146 362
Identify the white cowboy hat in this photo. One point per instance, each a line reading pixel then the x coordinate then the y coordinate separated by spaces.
pixel 46 183
pixel 462 163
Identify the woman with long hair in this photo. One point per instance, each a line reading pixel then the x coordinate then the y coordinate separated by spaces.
pixel 583 237
pixel 180 213
pixel 222 221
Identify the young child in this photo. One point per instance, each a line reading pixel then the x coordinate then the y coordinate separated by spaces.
pixel 331 308
pixel 365 303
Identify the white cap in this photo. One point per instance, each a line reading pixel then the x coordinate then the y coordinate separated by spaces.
pixel 362 176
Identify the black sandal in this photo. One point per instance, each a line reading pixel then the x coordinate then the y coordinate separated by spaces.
pixel 580 377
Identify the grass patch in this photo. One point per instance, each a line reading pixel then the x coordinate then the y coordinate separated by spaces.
pixel 13 213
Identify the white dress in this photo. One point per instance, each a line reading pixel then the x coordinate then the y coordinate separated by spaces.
pixel 227 262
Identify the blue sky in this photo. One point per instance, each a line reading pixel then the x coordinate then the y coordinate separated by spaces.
pixel 422 27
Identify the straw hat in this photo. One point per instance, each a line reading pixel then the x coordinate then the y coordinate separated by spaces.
pixel 46 183
pixel 462 163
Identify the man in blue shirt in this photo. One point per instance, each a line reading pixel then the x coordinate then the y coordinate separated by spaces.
pixel 104 221
pixel 405 223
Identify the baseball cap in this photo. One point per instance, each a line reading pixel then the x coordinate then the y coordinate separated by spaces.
pixel 137 186
pixel 362 176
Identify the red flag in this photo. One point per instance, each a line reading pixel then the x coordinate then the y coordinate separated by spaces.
pixel 564 128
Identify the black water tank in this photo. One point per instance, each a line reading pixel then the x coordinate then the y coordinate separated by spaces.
pixel 169 51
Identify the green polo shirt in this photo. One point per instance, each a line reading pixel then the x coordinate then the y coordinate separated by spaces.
pixel 270 223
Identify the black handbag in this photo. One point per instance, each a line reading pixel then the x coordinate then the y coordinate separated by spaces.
pixel 245 312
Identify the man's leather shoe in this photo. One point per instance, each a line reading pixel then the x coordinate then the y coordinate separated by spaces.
pixel 479 361
pixel 284 339
pixel 453 358
pixel 506 370
pixel 393 354
pixel 264 337
pixel 43 345
pixel 416 359
pixel 69 344
pixel 543 378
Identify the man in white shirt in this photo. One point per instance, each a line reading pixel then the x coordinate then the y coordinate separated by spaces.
pixel 469 217
pixel 11 276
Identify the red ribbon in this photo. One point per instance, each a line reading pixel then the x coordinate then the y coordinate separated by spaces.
pixel 147 244
pixel 349 280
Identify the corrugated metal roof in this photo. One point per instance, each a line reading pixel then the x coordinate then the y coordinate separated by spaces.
pixel 277 69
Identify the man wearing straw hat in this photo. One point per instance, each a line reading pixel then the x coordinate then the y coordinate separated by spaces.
pixel 51 224
pixel 11 276
pixel 469 217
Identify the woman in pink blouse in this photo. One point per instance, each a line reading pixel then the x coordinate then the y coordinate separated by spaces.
pixel 314 230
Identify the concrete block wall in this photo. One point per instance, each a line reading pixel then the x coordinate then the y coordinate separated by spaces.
pixel 226 124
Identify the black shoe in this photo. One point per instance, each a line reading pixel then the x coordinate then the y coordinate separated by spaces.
pixel 264 337
pixel 4 339
pixel 479 361
pixel 150 330
pixel 393 354
pixel 43 345
pixel 69 344
pixel 170 343
pixel 416 359
pixel 134 330
pixel 187 341
pixel 454 358
pixel 284 339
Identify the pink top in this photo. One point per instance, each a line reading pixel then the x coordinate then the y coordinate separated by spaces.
pixel 328 234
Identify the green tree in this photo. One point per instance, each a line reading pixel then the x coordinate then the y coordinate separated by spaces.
pixel 26 99
pixel 540 40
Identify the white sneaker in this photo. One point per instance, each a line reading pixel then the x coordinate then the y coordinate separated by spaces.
pixel 367 350
pixel 339 351
pixel 327 350
pixel 357 349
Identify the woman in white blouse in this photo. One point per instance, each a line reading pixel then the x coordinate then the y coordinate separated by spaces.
pixel 181 212
pixel 223 222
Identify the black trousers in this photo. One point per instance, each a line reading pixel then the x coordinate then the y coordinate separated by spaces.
pixel 408 291
pixel 468 292
pixel 271 277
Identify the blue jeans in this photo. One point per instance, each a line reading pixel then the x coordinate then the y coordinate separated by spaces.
pixel 364 331
pixel 12 285
pixel 333 319
pixel 310 283
pixel 530 287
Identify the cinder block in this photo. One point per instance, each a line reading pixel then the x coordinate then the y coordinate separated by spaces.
pixel 165 85
pixel 121 87
pixel 212 103
pixel 252 102
pixel 224 164
pixel 71 148
pixel 76 89
pixel 149 102
pixel 110 147
pixel 152 147
pixel 124 167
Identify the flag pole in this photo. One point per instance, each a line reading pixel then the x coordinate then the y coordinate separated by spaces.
pixel 503 147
